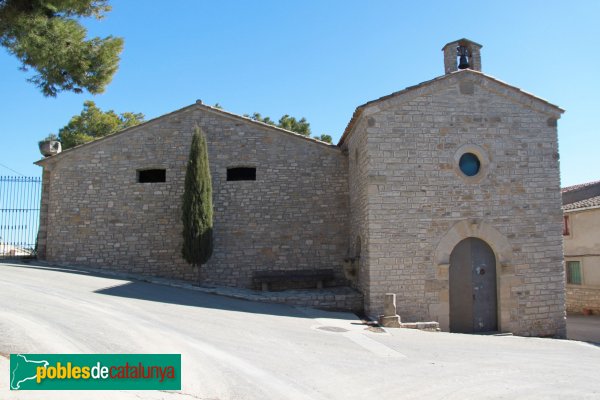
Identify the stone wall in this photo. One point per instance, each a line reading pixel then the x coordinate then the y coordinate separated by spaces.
pixel 580 297
pixel 292 217
pixel 417 196
pixel 358 179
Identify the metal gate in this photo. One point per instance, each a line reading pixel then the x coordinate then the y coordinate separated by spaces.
pixel 19 215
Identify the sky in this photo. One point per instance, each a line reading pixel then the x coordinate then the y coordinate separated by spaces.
pixel 320 60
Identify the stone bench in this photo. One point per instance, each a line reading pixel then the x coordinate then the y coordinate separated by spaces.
pixel 319 276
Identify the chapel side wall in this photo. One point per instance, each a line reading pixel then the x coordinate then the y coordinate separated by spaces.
pixel 419 196
pixel 293 216
pixel 358 162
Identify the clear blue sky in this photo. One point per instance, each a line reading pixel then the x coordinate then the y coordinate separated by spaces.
pixel 319 60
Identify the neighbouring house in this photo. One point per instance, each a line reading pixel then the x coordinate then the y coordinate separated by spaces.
pixel 446 193
pixel 581 237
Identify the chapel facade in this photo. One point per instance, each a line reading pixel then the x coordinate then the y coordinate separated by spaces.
pixel 446 193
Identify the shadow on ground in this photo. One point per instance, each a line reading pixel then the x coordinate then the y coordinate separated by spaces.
pixel 171 295
pixel 33 264
pixel 138 289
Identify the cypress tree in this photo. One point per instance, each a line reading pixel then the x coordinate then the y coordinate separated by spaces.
pixel 197 215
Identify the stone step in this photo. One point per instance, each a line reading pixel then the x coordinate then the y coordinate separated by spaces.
pixel 423 326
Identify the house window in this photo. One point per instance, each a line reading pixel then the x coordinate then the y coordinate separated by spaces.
pixel 574 272
pixel 241 174
pixel 566 231
pixel 152 175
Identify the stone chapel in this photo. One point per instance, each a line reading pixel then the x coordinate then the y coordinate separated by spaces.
pixel 446 193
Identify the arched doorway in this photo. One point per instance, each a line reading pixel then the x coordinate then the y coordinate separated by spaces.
pixel 473 301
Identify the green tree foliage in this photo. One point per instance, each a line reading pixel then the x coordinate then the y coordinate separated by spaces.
pixel 45 35
pixel 301 126
pixel 197 209
pixel 324 138
pixel 51 137
pixel 93 123
pixel 286 122
pixel 291 124
pixel 257 117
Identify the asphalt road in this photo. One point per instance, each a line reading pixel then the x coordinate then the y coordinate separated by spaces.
pixel 584 327
pixel 233 349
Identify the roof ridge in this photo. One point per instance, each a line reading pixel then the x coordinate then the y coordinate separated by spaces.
pixel 249 119
pixel 358 110
pixel 197 104
pixel 579 186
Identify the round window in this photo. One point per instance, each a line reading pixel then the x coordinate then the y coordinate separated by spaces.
pixel 469 164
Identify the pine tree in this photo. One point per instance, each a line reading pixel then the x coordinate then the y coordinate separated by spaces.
pixel 93 123
pixel 47 36
pixel 197 216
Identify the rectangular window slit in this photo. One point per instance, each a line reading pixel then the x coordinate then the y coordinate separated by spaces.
pixel 152 175
pixel 241 174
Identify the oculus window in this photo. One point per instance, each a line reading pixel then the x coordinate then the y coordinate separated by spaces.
pixel 469 164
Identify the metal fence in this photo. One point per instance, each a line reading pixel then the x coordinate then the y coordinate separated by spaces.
pixel 20 198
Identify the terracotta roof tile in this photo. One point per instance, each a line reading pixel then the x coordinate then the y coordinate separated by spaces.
pixel 580 186
pixel 583 204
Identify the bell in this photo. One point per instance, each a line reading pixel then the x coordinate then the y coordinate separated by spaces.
pixel 463 52
pixel 463 63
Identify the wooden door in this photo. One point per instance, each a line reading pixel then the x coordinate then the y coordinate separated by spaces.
pixel 473 298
